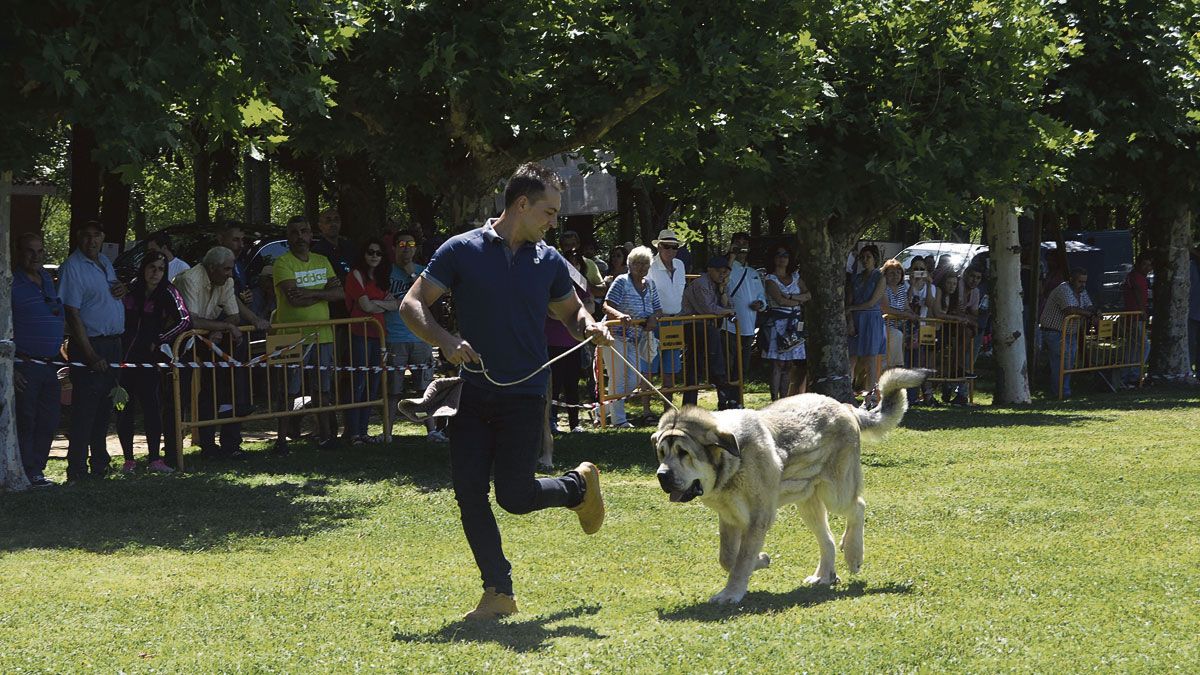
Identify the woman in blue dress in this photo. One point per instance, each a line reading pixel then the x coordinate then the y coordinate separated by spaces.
pixel 867 336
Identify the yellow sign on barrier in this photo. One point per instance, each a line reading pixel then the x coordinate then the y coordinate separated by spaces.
pixel 928 336
pixel 670 337
pixel 1104 331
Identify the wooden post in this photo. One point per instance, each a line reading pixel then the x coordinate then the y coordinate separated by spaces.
pixel 12 473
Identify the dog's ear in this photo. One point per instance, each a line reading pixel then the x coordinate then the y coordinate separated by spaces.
pixel 727 442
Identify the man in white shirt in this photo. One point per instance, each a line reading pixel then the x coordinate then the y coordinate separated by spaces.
pixel 749 297
pixel 669 277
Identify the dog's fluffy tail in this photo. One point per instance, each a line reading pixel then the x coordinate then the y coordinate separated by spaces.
pixel 893 402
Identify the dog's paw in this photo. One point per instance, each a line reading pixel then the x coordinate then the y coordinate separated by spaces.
pixel 764 561
pixel 728 597
pixel 822 579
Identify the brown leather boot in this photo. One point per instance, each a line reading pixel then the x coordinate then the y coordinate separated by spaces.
pixel 591 509
pixel 492 606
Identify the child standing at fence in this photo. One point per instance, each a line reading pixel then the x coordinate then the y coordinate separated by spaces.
pixel 155 314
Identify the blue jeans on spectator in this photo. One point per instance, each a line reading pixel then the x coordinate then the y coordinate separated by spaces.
pixel 91 409
pixel 363 352
pixel 501 433
pixel 1054 349
pixel 38 411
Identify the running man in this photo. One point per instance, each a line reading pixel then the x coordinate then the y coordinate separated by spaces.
pixel 504 278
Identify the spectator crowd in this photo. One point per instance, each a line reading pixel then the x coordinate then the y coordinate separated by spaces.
pixel 894 317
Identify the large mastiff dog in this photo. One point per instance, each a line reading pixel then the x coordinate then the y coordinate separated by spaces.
pixel 745 464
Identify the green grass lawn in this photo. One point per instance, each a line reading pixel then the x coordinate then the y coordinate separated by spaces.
pixel 1061 537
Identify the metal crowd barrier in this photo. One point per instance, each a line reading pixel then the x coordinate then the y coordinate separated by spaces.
pixel 686 339
pixel 1116 341
pixel 236 375
pixel 944 346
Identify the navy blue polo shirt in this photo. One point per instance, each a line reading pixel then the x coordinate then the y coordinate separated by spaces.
pixel 500 302
pixel 38 317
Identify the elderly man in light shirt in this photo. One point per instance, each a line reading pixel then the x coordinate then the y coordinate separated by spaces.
pixel 208 291
pixel 749 297
pixel 668 274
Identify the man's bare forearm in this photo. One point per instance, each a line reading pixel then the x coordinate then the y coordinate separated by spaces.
pixel 577 326
pixel 421 322
pixel 79 335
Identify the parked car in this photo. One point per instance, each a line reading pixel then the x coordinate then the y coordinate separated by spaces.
pixel 962 256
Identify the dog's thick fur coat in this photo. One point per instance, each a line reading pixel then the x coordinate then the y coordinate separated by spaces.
pixel 745 464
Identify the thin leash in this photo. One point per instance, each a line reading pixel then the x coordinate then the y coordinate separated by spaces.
pixel 482 370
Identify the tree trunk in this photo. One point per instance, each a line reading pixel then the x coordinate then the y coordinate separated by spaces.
pixel 822 265
pixel 114 211
pixel 421 210
pixel 258 191
pixel 1169 359
pixel 12 473
pixel 1008 324
pixel 776 218
pixel 85 179
pixel 358 190
pixel 756 221
pixel 201 180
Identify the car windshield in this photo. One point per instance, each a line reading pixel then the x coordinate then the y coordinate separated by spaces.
pixel 905 256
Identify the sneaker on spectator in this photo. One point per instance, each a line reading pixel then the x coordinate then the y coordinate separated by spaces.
pixel 129 466
pixel 624 425
pixel 281 449
pixel 41 481
pixel 578 429
pixel 159 466
pixel 437 436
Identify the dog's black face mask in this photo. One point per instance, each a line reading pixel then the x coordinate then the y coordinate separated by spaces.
pixel 666 480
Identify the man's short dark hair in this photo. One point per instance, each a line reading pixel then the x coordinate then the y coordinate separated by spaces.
pixel 297 219
pixel 1078 272
pixel 162 240
pixel 1144 256
pixel 530 181
pixel 227 225
pixel 404 233
pixel 745 236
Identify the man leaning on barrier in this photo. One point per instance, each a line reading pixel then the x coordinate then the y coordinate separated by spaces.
pixel 505 280
pixel 707 294
pixel 305 284
pixel 208 292
pixel 1070 298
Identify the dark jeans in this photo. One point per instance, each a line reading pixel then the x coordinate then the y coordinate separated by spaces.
pixel 565 374
pixel 500 433
pixel 91 408
pixel 728 396
pixel 703 349
pixel 364 352
pixel 38 411
pixel 210 379
pixel 145 390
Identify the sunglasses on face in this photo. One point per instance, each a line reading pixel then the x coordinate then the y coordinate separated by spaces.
pixel 916 269
pixel 374 251
pixel 783 254
pixel 406 244
pixel 669 247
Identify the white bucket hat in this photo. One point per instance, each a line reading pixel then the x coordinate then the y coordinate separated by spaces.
pixel 667 236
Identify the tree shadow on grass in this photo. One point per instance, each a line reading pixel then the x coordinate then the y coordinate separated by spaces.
pixel 189 512
pixel 515 634
pixel 759 602
pixel 985 418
